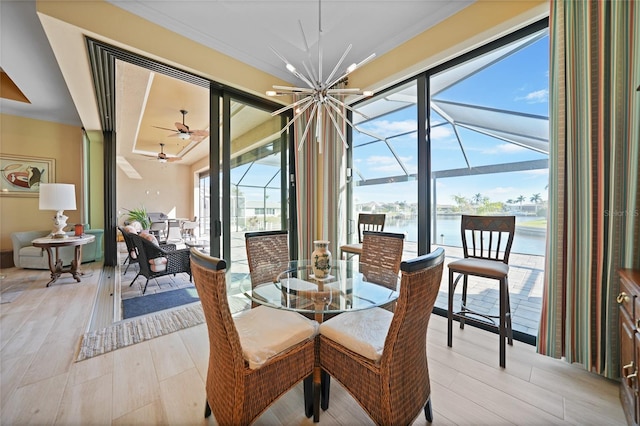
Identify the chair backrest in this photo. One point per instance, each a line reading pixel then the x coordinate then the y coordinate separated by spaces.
pixel 267 254
pixel 159 226
pixel 405 350
pixel 226 362
pixel 487 237
pixel 369 222
pixel 382 249
pixel 131 247
pixel 189 224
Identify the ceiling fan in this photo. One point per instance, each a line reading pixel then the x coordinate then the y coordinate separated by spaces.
pixel 183 131
pixel 162 157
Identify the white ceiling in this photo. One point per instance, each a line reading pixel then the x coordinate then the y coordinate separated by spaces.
pixel 248 30
pixel 243 29
pixel 27 58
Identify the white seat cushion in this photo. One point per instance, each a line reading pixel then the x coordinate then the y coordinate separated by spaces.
pixel 362 332
pixel 158 264
pixel 352 248
pixel 490 268
pixel 265 332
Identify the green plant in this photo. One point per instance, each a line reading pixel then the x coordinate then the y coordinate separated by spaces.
pixel 140 215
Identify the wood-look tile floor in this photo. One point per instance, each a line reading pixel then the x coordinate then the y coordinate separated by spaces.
pixel 161 381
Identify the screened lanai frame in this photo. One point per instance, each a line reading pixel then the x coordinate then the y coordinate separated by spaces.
pixel 526 130
pixel 265 157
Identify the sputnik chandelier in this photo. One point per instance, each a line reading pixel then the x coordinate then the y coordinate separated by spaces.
pixel 321 95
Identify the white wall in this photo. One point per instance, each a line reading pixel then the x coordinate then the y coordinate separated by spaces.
pixel 164 187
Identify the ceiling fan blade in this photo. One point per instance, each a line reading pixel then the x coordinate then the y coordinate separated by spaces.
pixel 200 133
pixel 164 128
pixel 182 127
pixel 173 159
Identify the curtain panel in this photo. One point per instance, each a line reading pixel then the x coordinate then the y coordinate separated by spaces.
pixel 320 181
pixel 593 225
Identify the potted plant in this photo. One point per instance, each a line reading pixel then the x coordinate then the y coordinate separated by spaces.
pixel 140 215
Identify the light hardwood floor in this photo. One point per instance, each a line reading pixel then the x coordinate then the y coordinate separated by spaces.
pixel 161 381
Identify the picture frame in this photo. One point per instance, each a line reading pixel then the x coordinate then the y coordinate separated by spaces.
pixel 20 176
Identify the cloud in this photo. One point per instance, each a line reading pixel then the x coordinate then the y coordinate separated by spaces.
pixel 390 128
pixel 537 172
pixel 386 164
pixel 537 97
pixel 441 132
pixel 504 148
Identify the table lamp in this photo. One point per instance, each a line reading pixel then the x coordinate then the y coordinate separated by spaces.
pixel 58 197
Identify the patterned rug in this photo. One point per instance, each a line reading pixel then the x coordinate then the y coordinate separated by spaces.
pixel 139 329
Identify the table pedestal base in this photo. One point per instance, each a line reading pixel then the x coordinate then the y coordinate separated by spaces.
pixel 56 268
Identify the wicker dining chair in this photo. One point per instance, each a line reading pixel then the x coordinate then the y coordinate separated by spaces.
pixel 366 222
pixel 241 381
pixel 381 358
pixel 486 245
pixel 267 254
pixel 382 249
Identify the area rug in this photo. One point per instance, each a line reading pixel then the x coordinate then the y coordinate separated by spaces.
pixel 143 305
pixel 139 329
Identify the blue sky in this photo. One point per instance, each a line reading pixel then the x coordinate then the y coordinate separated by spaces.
pixel 517 83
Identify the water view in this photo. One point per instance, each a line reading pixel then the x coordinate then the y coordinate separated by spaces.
pixel 530 234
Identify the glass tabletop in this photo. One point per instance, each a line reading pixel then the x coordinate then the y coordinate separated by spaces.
pixel 349 286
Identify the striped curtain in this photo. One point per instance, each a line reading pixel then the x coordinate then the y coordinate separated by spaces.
pixel 320 184
pixel 594 222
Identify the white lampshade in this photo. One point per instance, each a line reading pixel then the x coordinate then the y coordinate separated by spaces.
pixel 57 196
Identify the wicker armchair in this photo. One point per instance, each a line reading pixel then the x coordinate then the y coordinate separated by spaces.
pixel 392 385
pixel 132 255
pixel 238 393
pixel 366 222
pixel 156 261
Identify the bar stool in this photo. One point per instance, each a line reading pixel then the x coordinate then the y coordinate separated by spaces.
pixel 366 222
pixel 486 244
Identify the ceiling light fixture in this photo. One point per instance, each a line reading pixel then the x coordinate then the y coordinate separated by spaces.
pixel 321 94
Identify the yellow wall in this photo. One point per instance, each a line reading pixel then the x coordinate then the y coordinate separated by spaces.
pixel 35 138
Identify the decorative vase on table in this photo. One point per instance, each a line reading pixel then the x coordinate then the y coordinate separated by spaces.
pixel 321 259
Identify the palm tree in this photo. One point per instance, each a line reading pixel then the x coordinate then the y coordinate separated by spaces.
pixel 520 200
pixel 535 199
pixel 477 198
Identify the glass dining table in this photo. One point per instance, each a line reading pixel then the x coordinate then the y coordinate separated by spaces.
pixel 350 285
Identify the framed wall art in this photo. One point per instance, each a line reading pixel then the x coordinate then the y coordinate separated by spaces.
pixel 21 176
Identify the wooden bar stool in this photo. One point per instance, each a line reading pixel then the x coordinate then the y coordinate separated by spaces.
pixel 366 222
pixel 486 244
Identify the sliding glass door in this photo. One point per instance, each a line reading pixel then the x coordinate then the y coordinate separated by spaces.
pixel 251 186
